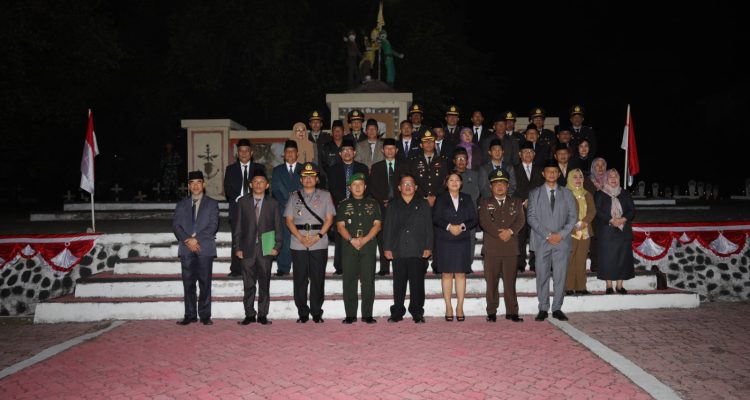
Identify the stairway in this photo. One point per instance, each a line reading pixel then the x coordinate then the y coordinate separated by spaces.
pixel 151 288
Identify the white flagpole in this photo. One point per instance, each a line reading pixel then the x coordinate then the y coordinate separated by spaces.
pixel 626 136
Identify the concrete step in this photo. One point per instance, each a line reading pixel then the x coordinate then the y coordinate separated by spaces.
pixel 70 308
pixel 171 266
pixel 108 285
pixel 225 250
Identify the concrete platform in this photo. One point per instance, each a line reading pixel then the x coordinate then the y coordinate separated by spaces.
pixel 72 308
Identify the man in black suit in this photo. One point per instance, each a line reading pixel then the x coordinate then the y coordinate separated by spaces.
pixel 528 176
pixel 408 145
pixel 541 151
pixel 196 220
pixel 480 131
pixel 510 146
pixel 338 176
pixel 383 187
pixel 562 156
pixel 408 242
pixel 237 184
pixel 257 214
pixel 580 131
pixel 416 117
pixel 443 146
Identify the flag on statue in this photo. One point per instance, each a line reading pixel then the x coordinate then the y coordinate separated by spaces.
pixel 90 150
pixel 631 153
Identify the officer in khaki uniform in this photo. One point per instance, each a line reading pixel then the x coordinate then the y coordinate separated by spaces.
pixel 358 222
pixel 501 217
pixel 309 215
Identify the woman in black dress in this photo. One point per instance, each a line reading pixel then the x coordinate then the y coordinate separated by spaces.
pixel 454 216
pixel 613 225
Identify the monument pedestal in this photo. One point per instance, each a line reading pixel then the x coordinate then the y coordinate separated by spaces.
pixel 387 108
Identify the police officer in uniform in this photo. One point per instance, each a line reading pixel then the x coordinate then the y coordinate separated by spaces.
pixel 309 215
pixel 356 118
pixel 546 136
pixel 429 169
pixel 452 129
pixel 501 218
pixel 416 116
pixel 358 222
pixel 316 133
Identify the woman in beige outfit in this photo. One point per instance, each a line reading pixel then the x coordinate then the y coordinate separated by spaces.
pixel 576 279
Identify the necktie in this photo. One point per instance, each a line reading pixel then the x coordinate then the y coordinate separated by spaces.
pixel 552 199
pixel 244 181
pixel 193 214
pixel 501 202
pixel 438 147
pixel 390 179
pixel 429 160
pixel 257 218
pixel 406 148
pixel 291 172
pixel 528 172
pixel 476 132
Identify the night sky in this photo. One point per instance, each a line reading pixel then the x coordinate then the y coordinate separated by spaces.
pixel 142 66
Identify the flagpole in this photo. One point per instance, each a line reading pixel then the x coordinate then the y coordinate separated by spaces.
pixel 93 221
pixel 625 176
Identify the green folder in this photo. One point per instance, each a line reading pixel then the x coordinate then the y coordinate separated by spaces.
pixel 268 241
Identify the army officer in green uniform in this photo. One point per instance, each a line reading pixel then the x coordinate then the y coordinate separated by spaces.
pixel 358 222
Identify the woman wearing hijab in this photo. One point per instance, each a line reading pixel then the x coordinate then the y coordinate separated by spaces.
pixel 595 182
pixel 597 176
pixel 305 148
pixel 576 279
pixel 614 230
pixel 472 149
pixel 454 216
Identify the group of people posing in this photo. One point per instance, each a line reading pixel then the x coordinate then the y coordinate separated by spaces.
pixel 407 201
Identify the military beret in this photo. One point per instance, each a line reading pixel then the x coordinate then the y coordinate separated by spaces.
pixel 356 177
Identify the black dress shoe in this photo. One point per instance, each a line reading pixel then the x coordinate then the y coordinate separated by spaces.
pixel 383 273
pixel 369 320
pixel 246 321
pixel 349 320
pixel 187 321
pixel 569 292
pixel 281 273
pixel 318 319
pixel 302 320
pixel 394 319
pixel 338 272
pixel 491 317
pixel 514 317
pixel 585 292
pixel 264 321
pixel 541 316
pixel 622 290
pixel 234 275
pixel 559 315
pixel 610 291
pixel 207 321
pixel 419 320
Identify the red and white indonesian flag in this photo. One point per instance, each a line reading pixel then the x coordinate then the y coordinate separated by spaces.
pixel 628 144
pixel 90 150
